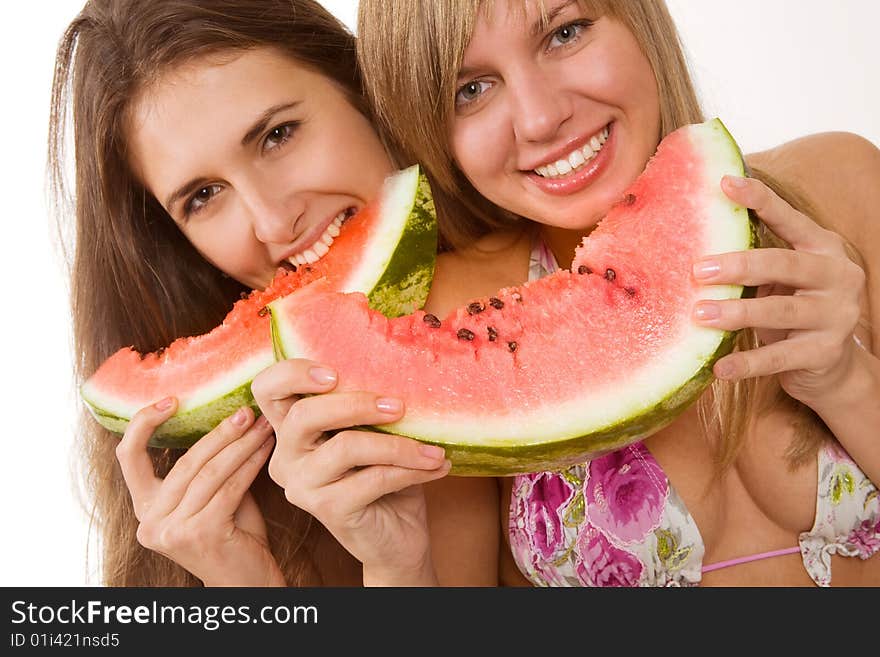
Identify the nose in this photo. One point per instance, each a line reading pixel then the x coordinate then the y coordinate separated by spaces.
pixel 539 108
pixel 273 212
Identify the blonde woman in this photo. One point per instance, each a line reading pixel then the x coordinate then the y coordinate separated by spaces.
pixel 214 140
pixel 771 479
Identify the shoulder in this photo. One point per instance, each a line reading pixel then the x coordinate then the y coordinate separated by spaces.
pixel 839 172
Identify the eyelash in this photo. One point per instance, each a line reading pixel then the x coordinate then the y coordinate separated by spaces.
pixel 579 26
pixel 190 208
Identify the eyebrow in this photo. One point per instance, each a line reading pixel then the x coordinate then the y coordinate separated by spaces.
pixel 252 133
pixel 537 27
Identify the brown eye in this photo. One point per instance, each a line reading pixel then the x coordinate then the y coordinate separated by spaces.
pixel 278 136
pixel 201 198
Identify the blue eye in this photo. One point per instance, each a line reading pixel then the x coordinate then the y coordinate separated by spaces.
pixel 470 92
pixel 568 33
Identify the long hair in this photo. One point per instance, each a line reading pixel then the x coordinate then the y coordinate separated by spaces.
pixel 135 279
pixel 410 52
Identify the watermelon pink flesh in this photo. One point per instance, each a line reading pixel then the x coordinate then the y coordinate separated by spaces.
pixel 566 366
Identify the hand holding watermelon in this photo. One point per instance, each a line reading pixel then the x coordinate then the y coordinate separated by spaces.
pixel 808 302
pixel 202 515
pixel 365 487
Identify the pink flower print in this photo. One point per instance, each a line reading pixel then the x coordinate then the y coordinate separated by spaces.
pixel 625 493
pixel 599 563
pixel 547 499
pixel 866 538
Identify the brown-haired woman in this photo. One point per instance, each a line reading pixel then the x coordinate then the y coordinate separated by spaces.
pixel 215 141
pixel 551 109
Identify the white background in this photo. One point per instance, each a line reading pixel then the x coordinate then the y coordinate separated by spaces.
pixel 771 69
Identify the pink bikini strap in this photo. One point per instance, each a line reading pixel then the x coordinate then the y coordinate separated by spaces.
pixel 751 557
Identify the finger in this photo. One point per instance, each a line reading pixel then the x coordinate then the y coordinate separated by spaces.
pixel 131 452
pixel 277 387
pixel 230 494
pixel 783 356
pixel 216 472
pixel 773 312
pixel 310 417
pixel 349 450
pixel 188 466
pixel 796 269
pixel 792 226
pixel 364 487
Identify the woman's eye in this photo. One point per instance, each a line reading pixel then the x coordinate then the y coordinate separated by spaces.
pixel 278 136
pixel 200 199
pixel 568 33
pixel 470 92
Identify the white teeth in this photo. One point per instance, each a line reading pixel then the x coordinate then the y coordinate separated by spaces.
pixel 320 248
pixel 563 167
pixel 576 159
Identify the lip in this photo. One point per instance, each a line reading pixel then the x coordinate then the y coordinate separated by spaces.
pixel 578 180
pixel 308 239
pixel 564 151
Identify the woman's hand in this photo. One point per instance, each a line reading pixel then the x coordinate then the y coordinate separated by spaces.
pixel 365 487
pixel 807 306
pixel 202 515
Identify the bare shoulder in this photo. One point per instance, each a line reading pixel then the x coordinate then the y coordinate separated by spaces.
pixel 839 172
pixel 492 262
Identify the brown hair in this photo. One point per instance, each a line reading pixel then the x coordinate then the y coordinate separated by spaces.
pixel 135 279
pixel 410 52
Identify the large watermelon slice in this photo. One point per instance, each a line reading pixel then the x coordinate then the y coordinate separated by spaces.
pixel 386 251
pixel 549 373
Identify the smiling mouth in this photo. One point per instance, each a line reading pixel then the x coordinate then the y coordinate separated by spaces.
pixel 577 159
pixel 321 246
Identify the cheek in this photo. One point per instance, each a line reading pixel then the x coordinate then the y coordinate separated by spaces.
pixel 477 146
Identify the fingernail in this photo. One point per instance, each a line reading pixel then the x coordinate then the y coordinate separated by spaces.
pixel 707 311
pixel 737 181
pixel 706 268
pixel 433 451
pixel 389 405
pixel 240 417
pixel 164 404
pixel 322 375
pixel 261 423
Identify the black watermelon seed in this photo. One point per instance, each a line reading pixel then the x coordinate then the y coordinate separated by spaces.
pixel 629 199
pixel 262 311
pixel 496 303
pixel 431 320
pixel 631 291
pixel 464 334
pixel 243 295
pixel 610 275
pixel 512 346
pixel 493 334
pixel 516 296
pixel 475 307
pixel 583 269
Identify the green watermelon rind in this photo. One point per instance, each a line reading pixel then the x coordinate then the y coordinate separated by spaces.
pixel 400 288
pixel 183 429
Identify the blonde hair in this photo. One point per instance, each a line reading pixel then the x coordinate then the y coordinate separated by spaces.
pixel 410 52
pixel 135 279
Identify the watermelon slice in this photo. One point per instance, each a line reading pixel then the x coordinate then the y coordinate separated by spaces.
pixel 386 251
pixel 565 368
